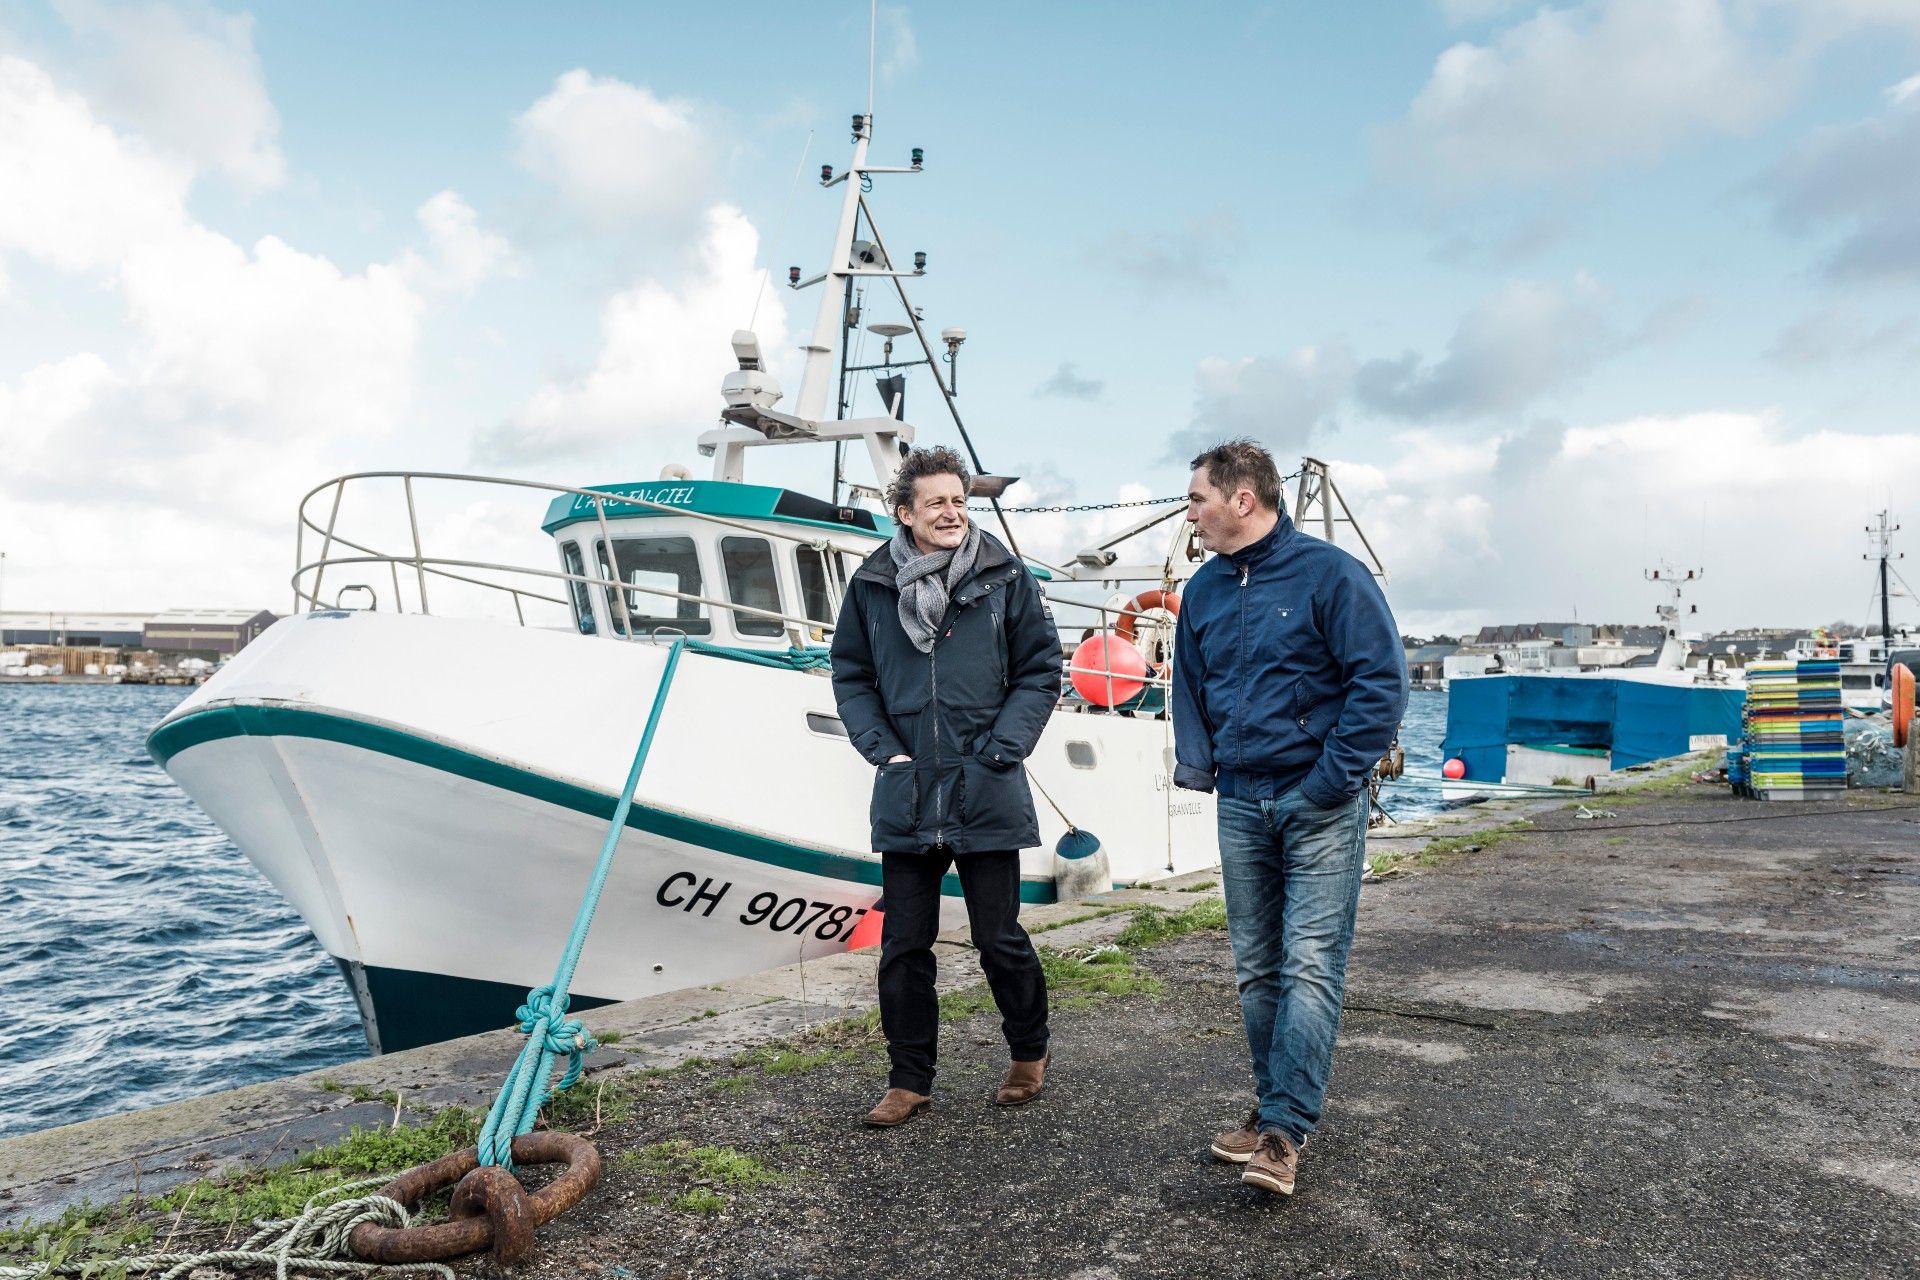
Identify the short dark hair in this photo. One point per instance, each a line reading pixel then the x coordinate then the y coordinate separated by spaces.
pixel 937 461
pixel 1234 465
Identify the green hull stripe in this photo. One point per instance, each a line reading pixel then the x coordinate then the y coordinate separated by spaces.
pixel 176 736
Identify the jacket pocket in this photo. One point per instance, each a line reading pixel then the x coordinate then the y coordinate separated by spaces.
pixel 895 810
pixel 992 795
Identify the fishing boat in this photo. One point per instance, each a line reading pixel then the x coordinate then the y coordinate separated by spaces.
pixel 427 783
pixel 1553 728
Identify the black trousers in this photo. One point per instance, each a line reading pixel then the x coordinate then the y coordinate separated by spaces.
pixel 909 1009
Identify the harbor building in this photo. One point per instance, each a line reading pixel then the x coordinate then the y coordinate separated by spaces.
pixel 1536 647
pixel 204 633
pixel 1426 664
pixel 207 633
pixel 177 646
pixel 54 629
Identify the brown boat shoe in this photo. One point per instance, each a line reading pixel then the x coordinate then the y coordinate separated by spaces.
pixel 1236 1146
pixel 1273 1165
pixel 1023 1084
pixel 897 1107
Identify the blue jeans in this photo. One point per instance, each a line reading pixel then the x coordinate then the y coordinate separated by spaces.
pixel 1292 878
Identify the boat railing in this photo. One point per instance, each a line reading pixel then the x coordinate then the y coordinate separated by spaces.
pixel 520 584
pixel 525 585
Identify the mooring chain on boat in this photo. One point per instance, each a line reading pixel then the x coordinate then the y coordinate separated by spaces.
pixel 1095 506
pixel 1084 506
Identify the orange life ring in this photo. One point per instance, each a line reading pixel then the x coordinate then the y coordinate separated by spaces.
pixel 1168 600
pixel 1902 703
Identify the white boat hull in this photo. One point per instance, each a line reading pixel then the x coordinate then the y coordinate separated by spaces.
pixel 431 795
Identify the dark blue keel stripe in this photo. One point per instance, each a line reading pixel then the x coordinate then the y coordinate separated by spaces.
pixel 411 1009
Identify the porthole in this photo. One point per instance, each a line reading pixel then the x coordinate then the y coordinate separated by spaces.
pixel 829 726
pixel 1080 755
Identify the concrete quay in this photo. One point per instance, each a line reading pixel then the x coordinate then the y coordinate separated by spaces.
pixel 1677 1037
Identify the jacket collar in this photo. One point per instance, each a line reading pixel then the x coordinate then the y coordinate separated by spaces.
pixel 1256 553
pixel 879 567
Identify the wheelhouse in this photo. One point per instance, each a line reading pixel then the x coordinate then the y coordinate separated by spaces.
pixel 737 564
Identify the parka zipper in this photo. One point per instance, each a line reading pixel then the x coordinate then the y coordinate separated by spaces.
pixel 939 809
pixel 1240 738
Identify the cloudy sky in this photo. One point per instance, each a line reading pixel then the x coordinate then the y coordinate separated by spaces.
pixel 1560 289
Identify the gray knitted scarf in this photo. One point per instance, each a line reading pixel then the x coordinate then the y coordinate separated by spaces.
pixel 927 582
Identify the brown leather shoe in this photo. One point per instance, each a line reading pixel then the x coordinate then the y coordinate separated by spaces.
pixel 1273 1165
pixel 1236 1146
pixel 897 1107
pixel 1023 1084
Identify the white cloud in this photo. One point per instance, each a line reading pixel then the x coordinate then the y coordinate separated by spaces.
pixel 1841 334
pixel 900 53
pixel 1528 339
pixel 77 194
pixel 1189 260
pixel 1473 534
pixel 656 381
pixel 616 153
pixel 1862 180
pixel 1066 384
pixel 1524 342
pixel 247 373
pixel 460 255
pixel 1281 402
pixel 187 78
pixel 1572 89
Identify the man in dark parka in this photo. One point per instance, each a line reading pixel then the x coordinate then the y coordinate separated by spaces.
pixel 946 667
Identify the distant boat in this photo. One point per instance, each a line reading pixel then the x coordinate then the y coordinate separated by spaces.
pixel 1563 727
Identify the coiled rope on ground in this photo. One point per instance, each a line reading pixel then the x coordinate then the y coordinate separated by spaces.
pixel 313 1241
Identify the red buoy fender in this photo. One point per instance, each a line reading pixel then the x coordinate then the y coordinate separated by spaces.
pixel 1902 703
pixel 1156 599
pixel 867 932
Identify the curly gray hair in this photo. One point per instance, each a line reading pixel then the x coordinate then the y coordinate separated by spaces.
pixel 937 461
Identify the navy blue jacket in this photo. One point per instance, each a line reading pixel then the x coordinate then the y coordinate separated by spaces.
pixel 1287 669
pixel 968 713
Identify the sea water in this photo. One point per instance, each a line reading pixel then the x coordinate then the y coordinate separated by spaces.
pixel 142 957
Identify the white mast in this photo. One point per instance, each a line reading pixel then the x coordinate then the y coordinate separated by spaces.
pixel 826 324
pixel 1673 649
pixel 751 392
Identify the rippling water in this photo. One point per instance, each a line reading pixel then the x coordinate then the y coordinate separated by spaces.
pixel 1420 734
pixel 142 958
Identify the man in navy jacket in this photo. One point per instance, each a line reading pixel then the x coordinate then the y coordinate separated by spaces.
pixel 1288 686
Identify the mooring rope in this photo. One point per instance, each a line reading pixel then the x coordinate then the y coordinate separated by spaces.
pixel 550 1032
pixel 795 658
pixel 315 1240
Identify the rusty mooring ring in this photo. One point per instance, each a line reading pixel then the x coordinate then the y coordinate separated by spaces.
pixel 490 1207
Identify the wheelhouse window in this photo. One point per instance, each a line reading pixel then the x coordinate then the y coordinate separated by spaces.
pixel 751 581
pixel 650 566
pixel 582 600
pixel 822 581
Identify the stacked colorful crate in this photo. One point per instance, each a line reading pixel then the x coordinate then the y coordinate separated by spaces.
pixel 1736 764
pixel 1795 739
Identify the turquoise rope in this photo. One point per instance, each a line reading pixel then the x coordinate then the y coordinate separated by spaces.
pixel 795 658
pixel 550 1032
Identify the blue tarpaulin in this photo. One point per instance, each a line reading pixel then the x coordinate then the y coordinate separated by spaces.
pixel 1636 721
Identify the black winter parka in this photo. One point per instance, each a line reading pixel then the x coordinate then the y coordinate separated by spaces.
pixel 968 713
